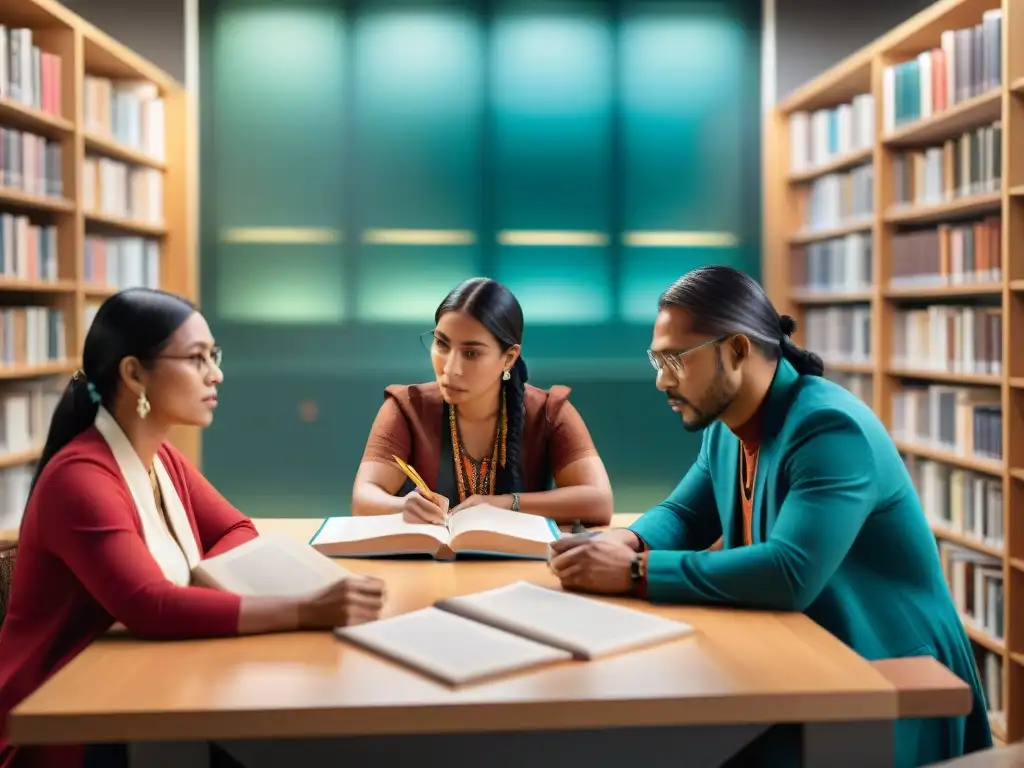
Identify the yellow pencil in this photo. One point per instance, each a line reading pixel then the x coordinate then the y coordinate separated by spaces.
pixel 413 475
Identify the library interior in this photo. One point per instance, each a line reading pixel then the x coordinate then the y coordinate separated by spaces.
pixel 262 159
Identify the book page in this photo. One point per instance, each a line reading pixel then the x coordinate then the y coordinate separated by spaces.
pixel 517 525
pixel 448 647
pixel 338 530
pixel 378 536
pixel 586 626
pixel 271 564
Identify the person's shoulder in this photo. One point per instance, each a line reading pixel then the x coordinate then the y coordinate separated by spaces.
pixel 823 411
pixel 414 399
pixel 547 402
pixel 84 463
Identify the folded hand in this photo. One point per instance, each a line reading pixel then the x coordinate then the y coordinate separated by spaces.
pixel 595 564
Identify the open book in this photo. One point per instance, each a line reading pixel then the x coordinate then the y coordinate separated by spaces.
pixel 271 564
pixel 475 637
pixel 479 530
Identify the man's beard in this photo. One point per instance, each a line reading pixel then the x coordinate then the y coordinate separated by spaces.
pixel 716 401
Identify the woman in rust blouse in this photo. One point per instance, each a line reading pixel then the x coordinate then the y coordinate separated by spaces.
pixel 480 433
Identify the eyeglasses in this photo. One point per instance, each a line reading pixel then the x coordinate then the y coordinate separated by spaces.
pixel 201 360
pixel 674 360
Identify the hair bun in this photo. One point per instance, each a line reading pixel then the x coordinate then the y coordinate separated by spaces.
pixel 788 325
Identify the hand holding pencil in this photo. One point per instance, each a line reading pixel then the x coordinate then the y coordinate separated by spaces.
pixel 422 505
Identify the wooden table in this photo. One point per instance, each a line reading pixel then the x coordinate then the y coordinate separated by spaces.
pixel 290 698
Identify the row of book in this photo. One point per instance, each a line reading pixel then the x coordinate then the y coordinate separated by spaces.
pixel 840 264
pixel 966 63
pixel 963 421
pixel 129 112
pixel 28 75
pixel 839 199
pixel 26 408
pixel 858 384
pixel 976 584
pixel 113 188
pixel 958 500
pixel 32 336
pixel 969 165
pixel 818 137
pixel 28 251
pixel 839 334
pixel 950 254
pixel 122 262
pixel 30 163
pixel 948 338
pixel 15 483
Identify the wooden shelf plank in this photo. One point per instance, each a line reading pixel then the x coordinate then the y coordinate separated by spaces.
pixel 842 163
pixel 957 291
pixel 814 236
pixel 126 225
pixel 23 200
pixel 950 123
pixel 10 284
pixel 966 206
pixel 103 145
pixel 17 115
pixel 829 297
pixel 977 463
pixel 978 379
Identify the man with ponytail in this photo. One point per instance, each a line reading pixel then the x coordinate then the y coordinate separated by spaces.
pixel 798 501
pixel 117 518
pixel 479 432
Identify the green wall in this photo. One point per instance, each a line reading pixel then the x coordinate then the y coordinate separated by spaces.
pixel 341 117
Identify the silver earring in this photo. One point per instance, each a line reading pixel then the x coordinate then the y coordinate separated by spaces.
pixel 506 376
pixel 142 406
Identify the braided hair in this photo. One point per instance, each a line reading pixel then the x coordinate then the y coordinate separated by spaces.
pixel 496 308
pixel 722 300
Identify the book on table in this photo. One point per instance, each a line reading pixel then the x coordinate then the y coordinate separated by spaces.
pixel 272 564
pixel 475 637
pixel 479 530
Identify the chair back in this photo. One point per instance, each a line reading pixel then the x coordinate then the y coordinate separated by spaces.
pixel 8 554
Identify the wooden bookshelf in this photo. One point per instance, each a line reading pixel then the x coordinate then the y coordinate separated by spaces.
pixel 900 246
pixel 109 207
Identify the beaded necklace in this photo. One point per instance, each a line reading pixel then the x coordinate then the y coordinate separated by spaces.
pixel 472 476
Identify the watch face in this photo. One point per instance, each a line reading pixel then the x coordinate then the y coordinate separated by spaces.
pixel 634 568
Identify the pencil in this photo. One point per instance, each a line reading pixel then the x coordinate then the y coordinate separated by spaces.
pixel 413 475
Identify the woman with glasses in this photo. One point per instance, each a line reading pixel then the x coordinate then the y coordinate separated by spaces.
pixel 117 518
pixel 479 433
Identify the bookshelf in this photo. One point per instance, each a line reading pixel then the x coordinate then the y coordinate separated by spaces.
pixel 97 184
pixel 894 233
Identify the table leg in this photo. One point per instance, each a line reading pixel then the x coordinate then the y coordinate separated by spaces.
pixel 862 744
pixel 823 745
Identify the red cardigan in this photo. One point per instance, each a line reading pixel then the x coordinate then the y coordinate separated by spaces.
pixel 83 564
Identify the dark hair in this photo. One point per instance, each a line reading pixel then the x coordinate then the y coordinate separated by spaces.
pixel 498 310
pixel 722 300
pixel 137 322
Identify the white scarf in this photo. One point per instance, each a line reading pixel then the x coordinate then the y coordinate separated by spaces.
pixel 176 561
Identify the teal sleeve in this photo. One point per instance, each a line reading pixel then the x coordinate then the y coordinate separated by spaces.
pixel 688 518
pixel 832 491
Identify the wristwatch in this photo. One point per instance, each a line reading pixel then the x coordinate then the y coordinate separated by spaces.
pixel 515 502
pixel 638 569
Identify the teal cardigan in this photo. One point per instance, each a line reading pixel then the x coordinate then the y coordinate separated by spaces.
pixel 838 534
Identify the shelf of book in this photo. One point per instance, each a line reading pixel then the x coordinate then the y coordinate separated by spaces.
pixel 894 233
pixel 97 152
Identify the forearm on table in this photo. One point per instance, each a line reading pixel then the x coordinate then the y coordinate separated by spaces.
pixel 371 499
pixel 260 615
pixel 589 504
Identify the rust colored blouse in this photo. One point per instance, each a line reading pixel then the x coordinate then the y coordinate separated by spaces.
pixel 412 424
